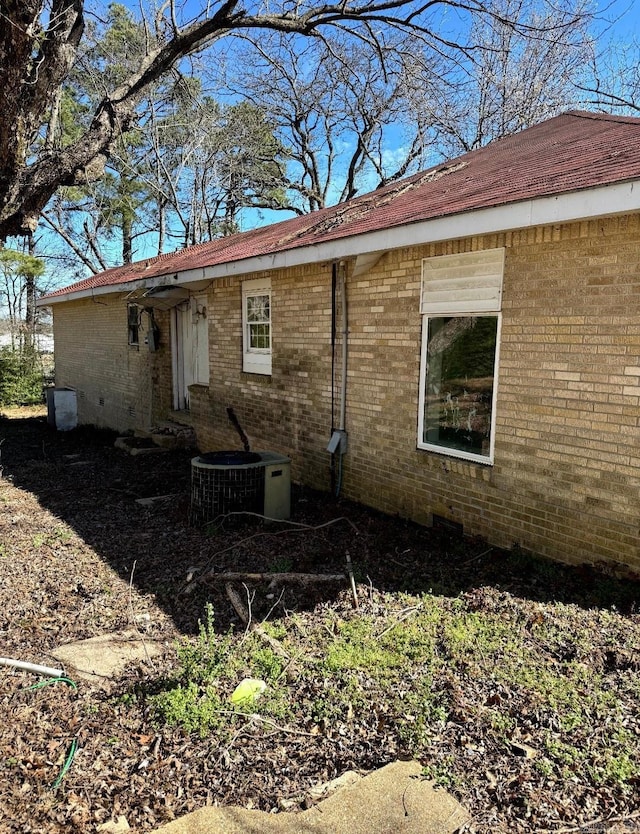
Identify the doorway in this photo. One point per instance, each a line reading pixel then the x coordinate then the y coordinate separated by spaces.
pixel 189 348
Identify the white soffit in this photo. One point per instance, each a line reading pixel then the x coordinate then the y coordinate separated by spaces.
pixel 160 298
pixel 365 262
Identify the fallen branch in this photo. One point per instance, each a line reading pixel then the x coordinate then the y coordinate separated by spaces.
pixel 132 616
pixel 352 579
pixel 298 527
pixel 254 717
pixel 271 578
pixel 408 612
pixel 238 605
pixel 599 825
pixel 245 615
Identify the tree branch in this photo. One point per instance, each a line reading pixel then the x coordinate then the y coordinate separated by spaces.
pixel 34 62
pixel 59 230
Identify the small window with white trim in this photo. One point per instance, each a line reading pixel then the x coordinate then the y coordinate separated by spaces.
pixel 133 324
pixel 460 302
pixel 256 326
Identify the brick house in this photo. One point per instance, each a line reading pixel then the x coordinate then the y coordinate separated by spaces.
pixel 486 313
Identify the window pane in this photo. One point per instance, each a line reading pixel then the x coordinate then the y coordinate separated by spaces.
pixel 257 340
pixel 258 308
pixel 461 354
pixel 133 324
pixel 259 336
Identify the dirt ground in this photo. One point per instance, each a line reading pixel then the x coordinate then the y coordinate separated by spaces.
pixel 80 557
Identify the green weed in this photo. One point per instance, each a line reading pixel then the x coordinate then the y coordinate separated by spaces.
pixel 414 658
pixel 265 663
pixel 207 658
pixel 476 637
pixel 442 773
pixel 501 723
pixel 543 766
pixel 282 564
pixel 56 536
pixel 422 711
pixel 194 709
pixel 355 647
pixel 62 534
pixel 209 668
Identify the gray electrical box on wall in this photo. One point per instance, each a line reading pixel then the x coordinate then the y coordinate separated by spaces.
pixel 338 442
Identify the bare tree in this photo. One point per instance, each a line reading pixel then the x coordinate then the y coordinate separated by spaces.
pixel 19 274
pixel 40 41
pixel 613 84
pixel 207 162
pixel 345 116
pixel 351 121
pixel 515 79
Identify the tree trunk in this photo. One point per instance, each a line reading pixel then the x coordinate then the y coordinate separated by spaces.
pixel 30 302
pixel 127 238
pixel 162 222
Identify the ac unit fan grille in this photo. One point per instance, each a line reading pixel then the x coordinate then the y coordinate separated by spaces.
pixel 221 490
pixel 228 482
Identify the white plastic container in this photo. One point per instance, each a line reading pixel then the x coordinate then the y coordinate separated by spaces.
pixel 62 408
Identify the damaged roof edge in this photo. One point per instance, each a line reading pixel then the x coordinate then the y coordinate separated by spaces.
pixel 583 204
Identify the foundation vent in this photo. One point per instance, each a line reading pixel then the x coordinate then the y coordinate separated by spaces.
pixel 228 482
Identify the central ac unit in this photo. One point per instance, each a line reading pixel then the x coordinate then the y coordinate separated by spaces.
pixel 228 482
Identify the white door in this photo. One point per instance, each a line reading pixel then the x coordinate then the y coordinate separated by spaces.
pixel 190 349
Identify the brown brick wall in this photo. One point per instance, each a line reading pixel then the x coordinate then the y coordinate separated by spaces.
pixel 288 411
pixel 566 478
pixel 114 381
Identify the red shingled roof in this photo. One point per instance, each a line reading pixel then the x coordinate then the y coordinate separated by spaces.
pixel 571 152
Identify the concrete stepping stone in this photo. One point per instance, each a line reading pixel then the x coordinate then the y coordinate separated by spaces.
pixel 392 800
pixel 100 659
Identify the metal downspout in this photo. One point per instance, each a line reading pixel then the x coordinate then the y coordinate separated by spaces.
pixel 338 443
pixel 345 332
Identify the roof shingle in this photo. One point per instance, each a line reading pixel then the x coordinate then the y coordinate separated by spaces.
pixel 571 152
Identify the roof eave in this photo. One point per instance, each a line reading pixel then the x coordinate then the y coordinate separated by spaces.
pixel 585 204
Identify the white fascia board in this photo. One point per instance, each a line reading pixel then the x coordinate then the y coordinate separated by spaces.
pixel 169 279
pixel 110 289
pixel 607 200
pixel 621 198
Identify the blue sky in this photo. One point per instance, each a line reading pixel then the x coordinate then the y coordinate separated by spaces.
pixel 626 13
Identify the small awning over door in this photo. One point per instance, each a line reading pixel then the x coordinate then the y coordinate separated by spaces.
pixel 160 298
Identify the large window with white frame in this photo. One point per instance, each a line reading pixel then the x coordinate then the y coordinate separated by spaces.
pixel 460 303
pixel 256 326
